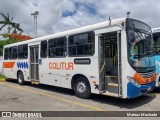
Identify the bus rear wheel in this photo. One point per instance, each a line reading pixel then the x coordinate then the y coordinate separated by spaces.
pixel 20 78
pixel 82 88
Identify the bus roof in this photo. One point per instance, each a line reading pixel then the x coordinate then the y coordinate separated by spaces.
pixel 155 30
pixel 114 22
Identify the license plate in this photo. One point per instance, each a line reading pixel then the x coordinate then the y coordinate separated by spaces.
pixel 149 89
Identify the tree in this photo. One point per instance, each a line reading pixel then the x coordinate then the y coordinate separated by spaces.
pixel 16 27
pixel 8 22
pixel 6 42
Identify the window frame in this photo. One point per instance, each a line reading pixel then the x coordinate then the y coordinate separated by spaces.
pixel 93 44
pixel 65 47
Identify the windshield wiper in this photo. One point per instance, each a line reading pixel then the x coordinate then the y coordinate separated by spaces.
pixel 139 34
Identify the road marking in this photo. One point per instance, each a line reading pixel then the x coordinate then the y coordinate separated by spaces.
pixel 55 97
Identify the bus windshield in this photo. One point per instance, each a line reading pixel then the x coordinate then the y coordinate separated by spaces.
pixel 140 46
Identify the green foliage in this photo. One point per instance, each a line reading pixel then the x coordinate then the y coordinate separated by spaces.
pixel 8 22
pixel 2 76
pixel 6 42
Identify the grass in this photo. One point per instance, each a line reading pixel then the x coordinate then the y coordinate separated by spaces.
pixel 2 78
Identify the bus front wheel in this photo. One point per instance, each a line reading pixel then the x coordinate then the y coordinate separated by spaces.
pixel 20 78
pixel 82 88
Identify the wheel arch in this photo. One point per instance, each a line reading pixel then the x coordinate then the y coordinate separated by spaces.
pixel 74 77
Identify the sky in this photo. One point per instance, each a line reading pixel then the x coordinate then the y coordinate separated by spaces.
pixel 60 15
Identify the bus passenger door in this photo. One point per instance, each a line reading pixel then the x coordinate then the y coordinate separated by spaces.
pixel 34 64
pixel 102 82
pixel 110 63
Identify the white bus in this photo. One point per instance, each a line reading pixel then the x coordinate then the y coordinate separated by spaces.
pixel 112 58
pixel 156 39
pixel 1 59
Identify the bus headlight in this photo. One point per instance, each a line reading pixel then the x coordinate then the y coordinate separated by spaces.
pixel 133 81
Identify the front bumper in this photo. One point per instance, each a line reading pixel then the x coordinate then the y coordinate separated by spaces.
pixel 135 91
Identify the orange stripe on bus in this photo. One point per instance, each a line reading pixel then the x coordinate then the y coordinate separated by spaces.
pixel 8 64
pixel 142 80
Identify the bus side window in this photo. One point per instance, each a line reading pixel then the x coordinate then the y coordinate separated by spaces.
pixel 13 53
pixel 57 47
pixel 44 49
pixel 23 51
pixel 81 44
pixel 6 53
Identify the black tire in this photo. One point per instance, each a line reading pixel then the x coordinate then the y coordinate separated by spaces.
pixel 82 88
pixel 20 78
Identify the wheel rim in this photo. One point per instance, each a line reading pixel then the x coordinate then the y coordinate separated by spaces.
pixel 20 78
pixel 81 87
